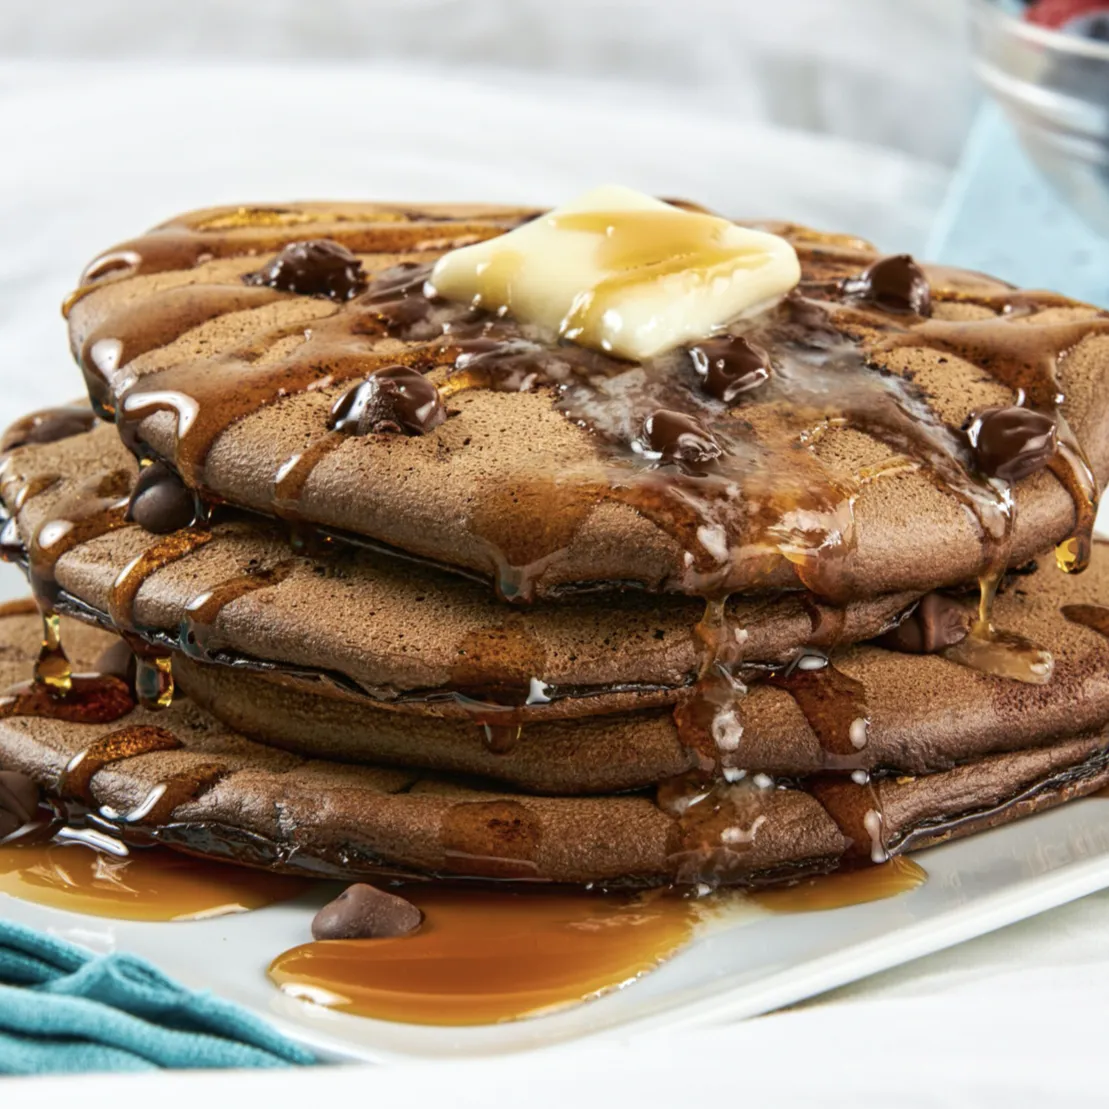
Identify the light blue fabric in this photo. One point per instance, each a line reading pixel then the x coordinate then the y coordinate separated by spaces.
pixel 66 1010
pixel 1002 218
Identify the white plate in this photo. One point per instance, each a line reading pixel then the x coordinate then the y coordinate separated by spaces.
pixel 744 965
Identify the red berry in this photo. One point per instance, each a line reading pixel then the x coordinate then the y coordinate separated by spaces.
pixel 1058 13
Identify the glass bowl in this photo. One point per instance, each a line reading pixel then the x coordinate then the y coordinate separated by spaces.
pixel 1055 89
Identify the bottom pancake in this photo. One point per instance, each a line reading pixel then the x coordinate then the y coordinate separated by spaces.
pixel 181 778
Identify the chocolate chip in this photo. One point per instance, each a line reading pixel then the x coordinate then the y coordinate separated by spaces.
pixel 895 283
pixel 314 268
pixel 48 426
pixel 118 661
pixel 1012 443
pixel 730 366
pixel 161 502
pixel 363 912
pixel 395 399
pixel 19 799
pixel 676 437
pixel 935 623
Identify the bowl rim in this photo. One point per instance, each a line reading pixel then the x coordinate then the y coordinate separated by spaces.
pixel 983 10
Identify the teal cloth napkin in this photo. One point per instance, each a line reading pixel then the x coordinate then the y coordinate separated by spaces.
pixel 1001 217
pixel 65 1010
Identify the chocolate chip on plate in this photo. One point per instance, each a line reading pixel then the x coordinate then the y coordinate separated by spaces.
pixel 895 283
pixel 394 399
pixel 161 502
pixel 363 912
pixel 935 623
pixel 19 800
pixel 1012 443
pixel 315 268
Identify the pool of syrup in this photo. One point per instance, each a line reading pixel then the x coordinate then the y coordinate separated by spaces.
pixel 485 955
pixel 844 887
pixel 86 872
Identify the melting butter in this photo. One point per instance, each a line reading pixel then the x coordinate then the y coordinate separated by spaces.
pixel 621 272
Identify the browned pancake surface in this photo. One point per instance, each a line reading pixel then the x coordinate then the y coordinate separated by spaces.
pixel 512 488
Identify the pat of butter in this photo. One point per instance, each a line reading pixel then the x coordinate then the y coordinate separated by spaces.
pixel 622 272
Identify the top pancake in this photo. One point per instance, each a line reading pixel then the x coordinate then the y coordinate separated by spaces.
pixel 845 469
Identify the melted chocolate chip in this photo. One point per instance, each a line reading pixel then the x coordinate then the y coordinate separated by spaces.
pixel 19 799
pixel 315 268
pixel 937 622
pixel 678 438
pixel 730 366
pixel 895 283
pixel 395 399
pixel 48 427
pixel 363 912
pixel 1012 443
pixel 161 502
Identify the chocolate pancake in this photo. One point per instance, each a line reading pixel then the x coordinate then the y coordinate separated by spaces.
pixel 925 712
pixel 180 778
pixel 861 430
pixel 358 622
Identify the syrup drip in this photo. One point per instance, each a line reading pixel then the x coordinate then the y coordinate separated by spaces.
pixel 195 636
pixel 289 482
pixel 834 706
pixel 149 324
pixel 154 684
pixel 86 872
pixel 844 887
pixel 158 805
pixel 494 677
pixel 484 956
pixel 717 824
pixel 128 743
pixel 1002 654
pixel 94 511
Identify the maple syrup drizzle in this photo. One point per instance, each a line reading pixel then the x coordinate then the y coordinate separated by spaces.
pixel 834 705
pixel 484 956
pixel 93 512
pixel 860 397
pixel 202 612
pixel 90 873
pixel 716 825
pixel 291 478
pixel 495 675
pixel 154 322
pixel 1003 654
pixel 154 670
pixel 141 739
pixel 162 800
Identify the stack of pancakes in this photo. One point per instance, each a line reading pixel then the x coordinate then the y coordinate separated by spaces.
pixel 388 584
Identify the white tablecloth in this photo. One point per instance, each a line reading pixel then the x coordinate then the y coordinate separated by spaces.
pixel 90 155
